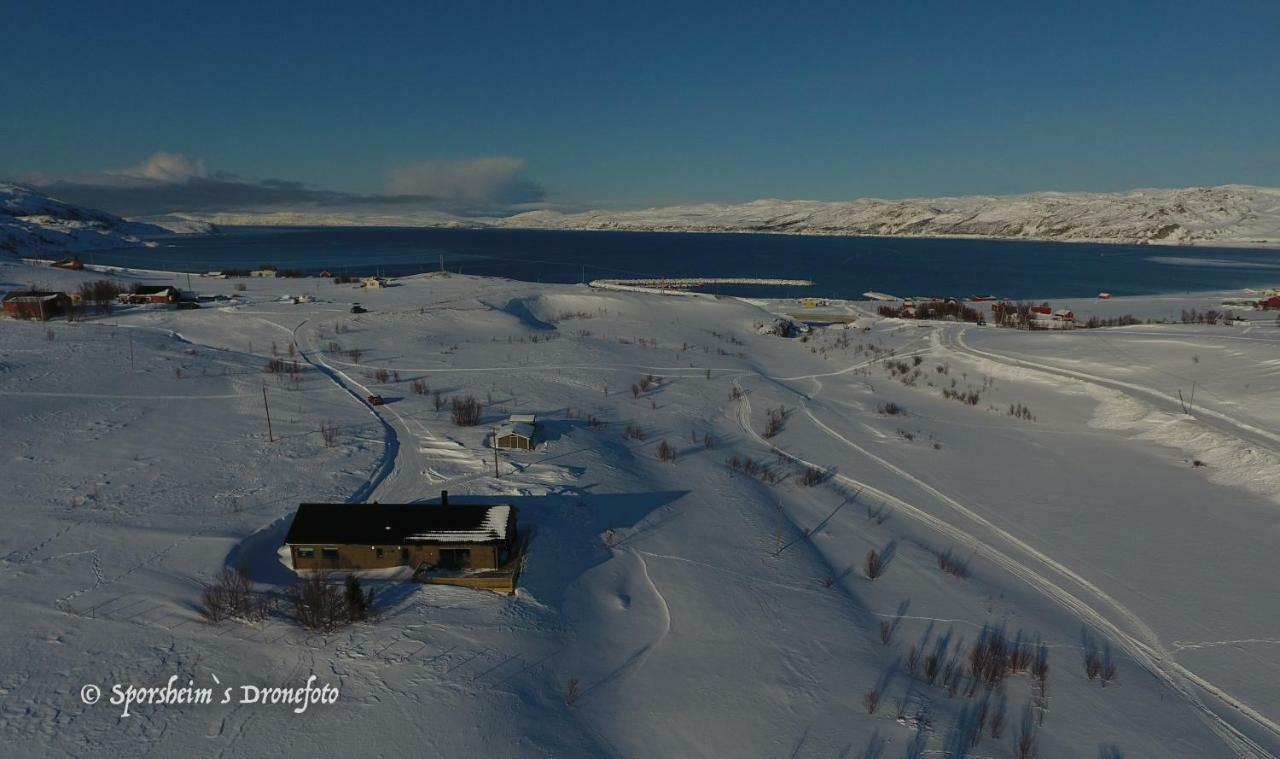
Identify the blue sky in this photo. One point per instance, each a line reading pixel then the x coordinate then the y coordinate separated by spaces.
pixel 602 104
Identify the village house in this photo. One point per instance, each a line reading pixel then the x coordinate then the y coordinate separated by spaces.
pixel 263 272
pixel 1270 304
pixel 36 304
pixel 427 538
pixel 517 434
pixel 144 294
pixel 373 283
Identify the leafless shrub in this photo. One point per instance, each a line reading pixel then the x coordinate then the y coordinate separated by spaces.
pixel 708 441
pixel 418 387
pixel 913 660
pixel 318 604
pixel 989 657
pixel 329 433
pixel 634 432
pixel 875 564
pixel 1020 411
pixel 572 692
pixel 437 400
pixel 466 411
pixel 1024 743
pixel 886 631
pixel 810 476
pixel 952 565
pixel 229 595
pixel 871 700
pixel 382 376
pixel 276 366
pixel 354 354
pixel 666 451
pixel 776 417
pixel 735 393
pixel 891 409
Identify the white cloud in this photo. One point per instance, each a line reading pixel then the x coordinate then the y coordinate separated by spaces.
pixel 474 180
pixel 166 167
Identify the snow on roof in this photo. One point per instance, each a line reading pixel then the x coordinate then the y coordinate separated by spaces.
pixel 494 527
pixel 522 419
pixel 521 429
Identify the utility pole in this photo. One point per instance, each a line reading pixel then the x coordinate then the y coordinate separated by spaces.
pixel 493 432
pixel 442 263
pixel 270 437
pixel 130 350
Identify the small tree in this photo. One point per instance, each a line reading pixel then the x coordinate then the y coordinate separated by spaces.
pixel 666 451
pixel 318 604
pixel 359 601
pixel 466 411
pixel 875 564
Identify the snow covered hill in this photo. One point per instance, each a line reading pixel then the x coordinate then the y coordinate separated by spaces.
pixel 1231 214
pixel 34 224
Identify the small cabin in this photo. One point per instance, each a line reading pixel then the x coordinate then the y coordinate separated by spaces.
pixel 268 273
pixel 36 304
pixel 517 434
pixel 332 537
pixel 373 283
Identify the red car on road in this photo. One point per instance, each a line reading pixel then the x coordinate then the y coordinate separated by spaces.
pixel 376 400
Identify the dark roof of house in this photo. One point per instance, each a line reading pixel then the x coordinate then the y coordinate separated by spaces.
pixel 397 523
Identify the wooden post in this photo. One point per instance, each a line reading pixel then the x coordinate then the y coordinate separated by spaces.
pixel 270 437
pixel 130 350
pixel 494 439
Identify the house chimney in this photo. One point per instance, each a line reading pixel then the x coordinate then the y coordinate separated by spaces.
pixel 444 497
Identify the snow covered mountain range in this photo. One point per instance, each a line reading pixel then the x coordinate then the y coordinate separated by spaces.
pixel 33 224
pixel 1231 214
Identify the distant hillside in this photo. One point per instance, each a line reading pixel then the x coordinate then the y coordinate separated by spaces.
pixel 1232 214
pixel 33 224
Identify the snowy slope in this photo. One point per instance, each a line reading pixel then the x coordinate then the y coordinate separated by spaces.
pixel 34 224
pixel 679 609
pixel 1233 214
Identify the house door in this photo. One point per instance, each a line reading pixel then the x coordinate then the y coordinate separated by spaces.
pixel 404 556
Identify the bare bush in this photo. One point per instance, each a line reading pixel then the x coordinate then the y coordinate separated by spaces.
pixel 952 565
pixel 572 692
pixel 229 595
pixel 874 565
pixel 382 376
pixel 776 418
pixel 891 409
pixel 418 387
pixel 329 433
pixel 886 631
pixel 634 432
pixel 666 451
pixel 437 400
pixel 466 411
pixel 810 476
pixel 318 604
pixel 871 700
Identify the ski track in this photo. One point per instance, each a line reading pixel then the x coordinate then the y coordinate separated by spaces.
pixel 1149 654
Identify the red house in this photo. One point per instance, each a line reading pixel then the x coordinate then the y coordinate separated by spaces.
pixel 1270 304
pixel 1046 310
pixel 34 304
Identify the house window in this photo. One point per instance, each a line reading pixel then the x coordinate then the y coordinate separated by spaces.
pixel 306 553
pixel 330 554
pixel 455 558
pixel 378 552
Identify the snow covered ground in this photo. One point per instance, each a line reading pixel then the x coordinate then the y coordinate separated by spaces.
pixel 668 608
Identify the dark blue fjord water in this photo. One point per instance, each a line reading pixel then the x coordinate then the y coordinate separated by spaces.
pixel 841 267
